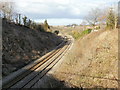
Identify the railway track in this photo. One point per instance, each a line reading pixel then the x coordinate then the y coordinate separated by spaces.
pixel 29 75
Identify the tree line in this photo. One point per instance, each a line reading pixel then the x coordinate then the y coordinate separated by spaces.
pixel 106 16
pixel 8 13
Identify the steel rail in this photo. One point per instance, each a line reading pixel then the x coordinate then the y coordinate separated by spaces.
pixel 38 70
pixel 20 74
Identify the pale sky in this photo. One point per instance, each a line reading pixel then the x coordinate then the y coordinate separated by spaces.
pixel 59 12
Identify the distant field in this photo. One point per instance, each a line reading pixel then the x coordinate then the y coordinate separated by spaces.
pixel 69 30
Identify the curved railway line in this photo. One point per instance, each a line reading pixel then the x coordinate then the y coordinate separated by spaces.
pixel 29 75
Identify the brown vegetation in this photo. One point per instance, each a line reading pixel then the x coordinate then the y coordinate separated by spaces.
pixel 21 45
pixel 92 62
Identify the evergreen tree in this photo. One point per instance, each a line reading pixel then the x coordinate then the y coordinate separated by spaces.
pixel 25 20
pixel 111 19
pixel 46 26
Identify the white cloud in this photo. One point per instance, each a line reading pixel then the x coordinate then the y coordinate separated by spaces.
pixel 63 21
pixel 39 9
pixel 74 7
pixel 75 11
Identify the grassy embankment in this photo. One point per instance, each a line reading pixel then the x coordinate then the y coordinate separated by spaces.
pixel 93 60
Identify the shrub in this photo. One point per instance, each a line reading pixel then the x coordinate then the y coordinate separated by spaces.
pixel 110 20
pixel 39 27
pixel 46 26
pixel 24 20
pixel 97 27
pixel 87 31
pixel 77 34
pixel 56 32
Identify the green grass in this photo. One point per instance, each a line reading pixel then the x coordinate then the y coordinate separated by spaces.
pixel 78 35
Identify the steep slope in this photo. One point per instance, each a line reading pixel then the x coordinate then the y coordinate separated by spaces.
pixel 92 62
pixel 22 45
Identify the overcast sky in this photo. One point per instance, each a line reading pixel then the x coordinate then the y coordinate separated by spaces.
pixel 59 12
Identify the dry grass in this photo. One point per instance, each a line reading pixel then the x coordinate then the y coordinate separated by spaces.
pixel 92 62
pixel 68 30
pixel 22 45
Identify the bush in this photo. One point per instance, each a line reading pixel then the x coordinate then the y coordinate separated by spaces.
pixel 87 31
pixel 97 28
pixel 46 26
pixel 25 20
pixel 39 27
pixel 77 34
pixel 56 32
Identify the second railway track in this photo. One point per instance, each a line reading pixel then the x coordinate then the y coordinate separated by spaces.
pixel 30 74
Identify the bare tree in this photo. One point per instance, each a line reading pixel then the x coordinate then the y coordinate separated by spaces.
pixel 16 18
pixel 93 16
pixel 83 23
pixel 7 9
pixel 103 16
